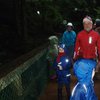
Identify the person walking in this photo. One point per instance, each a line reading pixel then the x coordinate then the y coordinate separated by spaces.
pixel 84 72
pixel 87 44
pixel 68 38
pixel 62 65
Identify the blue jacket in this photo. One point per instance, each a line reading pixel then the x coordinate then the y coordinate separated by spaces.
pixel 69 38
pixel 84 89
pixel 83 92
pixel 63 74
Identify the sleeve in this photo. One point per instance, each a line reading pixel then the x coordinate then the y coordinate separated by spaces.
pixel 77 48
pixel 74 36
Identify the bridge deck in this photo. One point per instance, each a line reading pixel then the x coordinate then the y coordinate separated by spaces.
pixel 51 90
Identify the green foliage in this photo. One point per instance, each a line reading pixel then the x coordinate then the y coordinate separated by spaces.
pixel 97 12
pixel 53 12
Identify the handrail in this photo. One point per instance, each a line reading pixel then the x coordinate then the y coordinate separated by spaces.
pixel 5 69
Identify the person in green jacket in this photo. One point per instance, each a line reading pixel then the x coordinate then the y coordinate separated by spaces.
pixel 52 53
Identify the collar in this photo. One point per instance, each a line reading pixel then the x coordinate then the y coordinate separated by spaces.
pixel 89 31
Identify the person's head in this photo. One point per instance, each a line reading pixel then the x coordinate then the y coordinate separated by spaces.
pixel 53 40
pixel 97 22
pixel 69 26
pixel 87 23
pixel 84 70
pixel 61 48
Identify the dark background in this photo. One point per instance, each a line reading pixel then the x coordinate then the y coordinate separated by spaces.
pixel 22 29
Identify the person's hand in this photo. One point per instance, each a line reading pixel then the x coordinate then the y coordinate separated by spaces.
pixel 73 61
pixel 60 67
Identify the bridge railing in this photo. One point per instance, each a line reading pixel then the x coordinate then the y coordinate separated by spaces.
pixel 27 81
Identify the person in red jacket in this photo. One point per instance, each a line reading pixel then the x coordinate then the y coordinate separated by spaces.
pixel 87 42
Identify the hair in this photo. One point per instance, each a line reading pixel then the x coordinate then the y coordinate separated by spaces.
pixel 87 18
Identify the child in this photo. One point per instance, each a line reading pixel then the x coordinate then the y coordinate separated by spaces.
pixel 84 71
pixel 62 66
pixel 51 55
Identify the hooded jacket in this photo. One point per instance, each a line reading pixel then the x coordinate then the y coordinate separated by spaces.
pixel 84 89
pixel 65 62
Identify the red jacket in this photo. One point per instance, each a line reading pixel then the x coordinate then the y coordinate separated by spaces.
pixel 87 45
